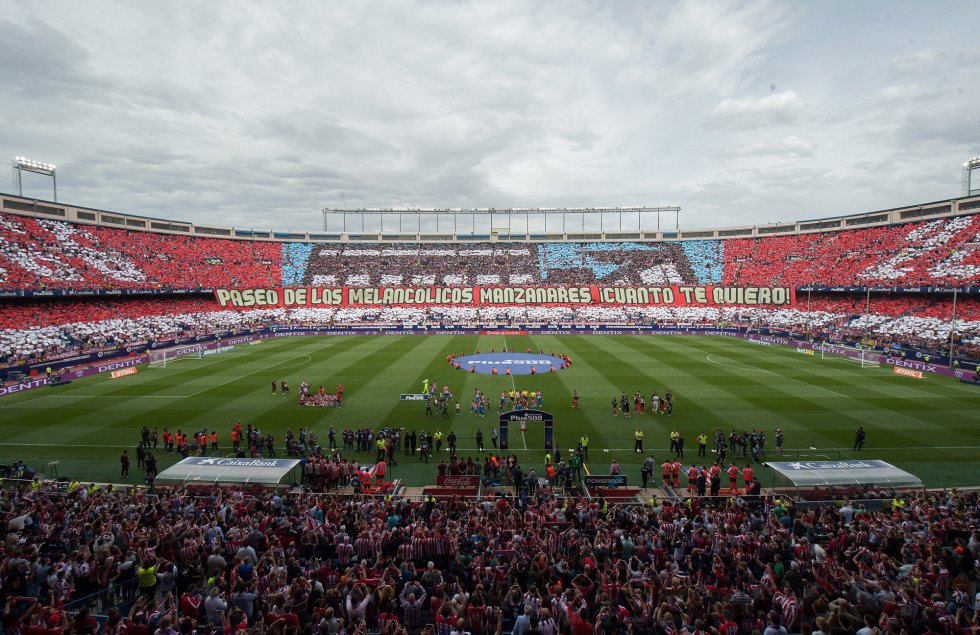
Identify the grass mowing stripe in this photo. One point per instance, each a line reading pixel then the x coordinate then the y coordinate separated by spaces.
pixel 850 409
pixel 904 417
pixel 928 426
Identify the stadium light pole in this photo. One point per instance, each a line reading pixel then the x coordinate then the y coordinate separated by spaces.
pixel 952 327
pixel 968 168
pixel 809 292
pixel 37 167
pixel 867 311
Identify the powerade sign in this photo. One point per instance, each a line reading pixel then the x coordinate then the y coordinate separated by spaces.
pixel 605 482
pixel 517 363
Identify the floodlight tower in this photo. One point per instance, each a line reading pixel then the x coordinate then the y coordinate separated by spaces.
pixel 37 167
pixel 968 168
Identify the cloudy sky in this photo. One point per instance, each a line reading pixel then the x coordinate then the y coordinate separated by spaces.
pixel 259 114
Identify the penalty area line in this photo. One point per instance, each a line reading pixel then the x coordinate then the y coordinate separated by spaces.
pixel 750 367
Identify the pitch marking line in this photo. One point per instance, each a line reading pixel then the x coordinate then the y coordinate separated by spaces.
pixel 834 361
pixel 266 369
pixel 221 358
pixel 514 388
pixel 512 384
pixel 106 377
pixel 789 353
pixel 115 397
pixel 308 359
pixel 744 366
pixel 740 366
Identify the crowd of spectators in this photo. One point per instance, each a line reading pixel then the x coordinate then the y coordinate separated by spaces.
pixel 55 312
pixel 53 328
pixel 42 254
pixel 45 254
pixel 620 263
pixel 941 252
pixel 65 340
pixel 413 265
pixel 229 561
pixel 894 305
pixel 48 254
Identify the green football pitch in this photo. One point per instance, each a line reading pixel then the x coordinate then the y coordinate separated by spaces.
pixel 926 426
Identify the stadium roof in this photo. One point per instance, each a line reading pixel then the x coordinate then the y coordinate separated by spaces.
pixel 843 473
pixel 201 469
pixel 40 208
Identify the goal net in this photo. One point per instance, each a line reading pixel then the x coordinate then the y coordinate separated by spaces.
pixel 160 359
pixel 852 354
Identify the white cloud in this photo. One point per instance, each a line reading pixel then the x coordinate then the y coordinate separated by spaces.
pixel 778 109
pixel 922 62
pixel 258 115
pixel 787 146
pixel 902 92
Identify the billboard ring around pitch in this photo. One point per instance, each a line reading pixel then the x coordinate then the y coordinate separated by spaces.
pixel 519 363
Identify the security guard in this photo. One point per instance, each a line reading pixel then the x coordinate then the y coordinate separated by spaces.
pixel 702 444
pixel 584 442
pixel 638 444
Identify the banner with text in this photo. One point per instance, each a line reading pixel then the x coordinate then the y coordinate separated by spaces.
pixel 674 295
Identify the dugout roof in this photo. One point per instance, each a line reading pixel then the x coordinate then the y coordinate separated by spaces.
pixel 844 473
pixel 212 469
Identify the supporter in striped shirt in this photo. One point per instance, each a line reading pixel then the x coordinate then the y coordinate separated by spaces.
pixel 345 552
pixel 412 600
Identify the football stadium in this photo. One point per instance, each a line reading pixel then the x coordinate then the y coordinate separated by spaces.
pixel 464 419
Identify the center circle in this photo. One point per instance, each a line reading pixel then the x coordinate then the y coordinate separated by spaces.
pixel 518 363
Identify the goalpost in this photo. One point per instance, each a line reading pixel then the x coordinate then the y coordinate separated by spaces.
pixel 859 355
pixel 159 359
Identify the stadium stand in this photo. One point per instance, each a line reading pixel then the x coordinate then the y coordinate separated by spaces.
pixel 47 254
pixel 34 330
pixel 42 254
pixel 227 561
pixel 403 265
pixel 941 252
pixel 232 561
